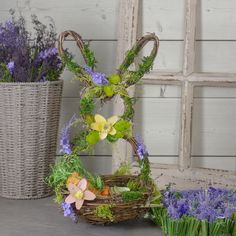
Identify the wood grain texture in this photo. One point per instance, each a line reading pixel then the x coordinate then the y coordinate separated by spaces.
pixel 193 177
pixel 215 19
pixel 127 33
pixel 189 39
pixel 185 141
pixel 94 19
pixel 214 116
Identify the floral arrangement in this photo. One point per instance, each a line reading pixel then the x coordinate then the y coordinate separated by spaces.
pixel 74 186
pixel 25 56
pixel 205 212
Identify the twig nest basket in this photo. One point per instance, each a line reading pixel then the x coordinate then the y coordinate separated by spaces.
pixel 121 210
pixel 113 198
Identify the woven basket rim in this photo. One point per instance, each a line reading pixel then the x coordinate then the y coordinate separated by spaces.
pixel 30 83
pixel 120 207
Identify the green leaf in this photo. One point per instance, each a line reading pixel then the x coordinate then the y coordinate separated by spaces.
pixel 108 89
pixel 93 137
pixel 114 79
pixel 123 128
pixel 111 138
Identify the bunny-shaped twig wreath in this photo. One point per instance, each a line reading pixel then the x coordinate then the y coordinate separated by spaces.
pixel 120 196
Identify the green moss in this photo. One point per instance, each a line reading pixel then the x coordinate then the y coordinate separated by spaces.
pixel 129 110
pixel 89 55
pixel 131 196
pixel 104 212
pixel 86 105
pixel 80 143
pixel 156 195
pixel 145 174
pixel 124 169
pixel 134 185
pixel 64 168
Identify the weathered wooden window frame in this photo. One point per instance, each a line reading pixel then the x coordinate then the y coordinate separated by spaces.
pixel 182 174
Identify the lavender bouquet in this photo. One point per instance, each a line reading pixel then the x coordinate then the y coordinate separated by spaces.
pixel 205 212
pixel 28 56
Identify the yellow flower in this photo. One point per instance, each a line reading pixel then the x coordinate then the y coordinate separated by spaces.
pixel 103 126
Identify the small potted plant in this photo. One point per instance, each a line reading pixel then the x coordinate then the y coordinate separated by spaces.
pixel 30 98
pixel 113 198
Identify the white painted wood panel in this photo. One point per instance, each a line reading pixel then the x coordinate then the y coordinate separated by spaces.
pixel 214 129
pixel 95 19
pixel 215 56
pixel 168 91
pixel 157 121
pixel 155 17
pixel 215 19
pixel 214 162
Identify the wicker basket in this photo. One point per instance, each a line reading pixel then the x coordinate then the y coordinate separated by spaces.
pixel 122 211
pixel 29 117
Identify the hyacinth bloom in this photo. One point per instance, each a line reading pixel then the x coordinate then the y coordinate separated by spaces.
pixel 103 126
pixel 79 193
pixel 204 204
pixel 69 211
pixel 65 136
pixel 141 148
pixel 97 77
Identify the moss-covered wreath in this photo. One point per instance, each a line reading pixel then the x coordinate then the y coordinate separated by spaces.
pixel 121 196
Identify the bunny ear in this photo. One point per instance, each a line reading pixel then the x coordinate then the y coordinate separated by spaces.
pixel 87 54
pixel 85 51
pixel 145 66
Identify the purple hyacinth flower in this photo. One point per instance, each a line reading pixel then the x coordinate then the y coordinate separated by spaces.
pixel 204 204
pixel 97 77
pixel 65 137
pixel 141 148
pixel 173 212
pixel 11 66
pixel 69 211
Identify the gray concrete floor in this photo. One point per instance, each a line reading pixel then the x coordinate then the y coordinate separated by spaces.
pixel 43 218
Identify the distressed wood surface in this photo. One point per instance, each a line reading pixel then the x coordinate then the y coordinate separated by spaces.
pixel 211 56
pixel 215 52
pixel 189 40
pixel 192 178
pixel 186 126
pixel 215 19
pixel 127 33
pixel 94 19
pixel 182 174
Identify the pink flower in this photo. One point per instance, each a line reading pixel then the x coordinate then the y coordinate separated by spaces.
pixel 79 193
